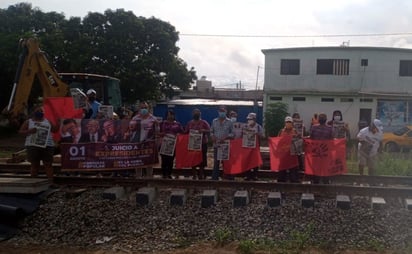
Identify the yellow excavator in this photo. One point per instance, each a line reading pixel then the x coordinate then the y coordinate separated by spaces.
pixel 33 63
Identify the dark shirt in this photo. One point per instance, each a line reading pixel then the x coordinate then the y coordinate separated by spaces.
pixel 321 132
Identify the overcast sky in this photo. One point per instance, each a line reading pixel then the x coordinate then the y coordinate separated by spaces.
pixel 264 24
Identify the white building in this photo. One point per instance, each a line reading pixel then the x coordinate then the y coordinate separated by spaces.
pixel 362 82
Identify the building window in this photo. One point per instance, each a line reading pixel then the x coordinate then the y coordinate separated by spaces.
pixel 364 62
pixel 299 99
pixel 405 68
pixel 289 67
pixel 275 98
pixel 332 67
pixel 346 99
pixel 327 99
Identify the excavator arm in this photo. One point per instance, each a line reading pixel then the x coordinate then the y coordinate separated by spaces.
pixel 32 63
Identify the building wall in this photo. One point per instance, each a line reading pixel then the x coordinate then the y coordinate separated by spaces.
pixel 381 74
pixel 362 90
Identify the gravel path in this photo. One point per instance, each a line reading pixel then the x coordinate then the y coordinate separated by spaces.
pixel 89 220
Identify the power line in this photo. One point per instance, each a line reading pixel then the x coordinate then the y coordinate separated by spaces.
pixel 294 36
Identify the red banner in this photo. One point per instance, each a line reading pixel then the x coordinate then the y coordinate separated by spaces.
pixel 280 157
pixel 325 157
pixel 56 108
pixel 186 158
pixel 241 159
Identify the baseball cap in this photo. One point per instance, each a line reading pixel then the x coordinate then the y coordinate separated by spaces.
pixel 378 124
pixel 251 116
pixel 90 91
pixel 288 119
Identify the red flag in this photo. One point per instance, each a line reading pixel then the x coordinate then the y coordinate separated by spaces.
pixel 325 157
pixel 280 157
pixel 241 159
pixel 185 157
pixel 60 108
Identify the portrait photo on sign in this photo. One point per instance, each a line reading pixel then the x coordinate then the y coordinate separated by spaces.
pixel 248 138
pixel 168 145
pixel 195 141
pixel 223 150
pixel 39 138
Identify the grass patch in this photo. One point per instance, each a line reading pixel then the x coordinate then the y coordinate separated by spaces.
pixel 223 236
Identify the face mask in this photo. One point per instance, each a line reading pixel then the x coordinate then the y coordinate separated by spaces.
pixel 222 114
pixel 233 119
pixel 38 114
pixel 336 118
pixel 144 111
pixel 322 121
pixel 251 122
pixel 196 116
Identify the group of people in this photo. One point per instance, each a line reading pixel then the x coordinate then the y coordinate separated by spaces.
pixel 143 126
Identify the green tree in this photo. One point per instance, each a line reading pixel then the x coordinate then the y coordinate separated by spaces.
pixel 140 51
pixel 274 118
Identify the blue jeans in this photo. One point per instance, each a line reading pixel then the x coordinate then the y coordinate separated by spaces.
pixel 216 165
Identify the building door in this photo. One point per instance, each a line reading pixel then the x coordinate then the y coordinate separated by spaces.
pixel 365 117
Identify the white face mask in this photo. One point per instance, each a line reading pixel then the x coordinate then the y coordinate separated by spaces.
pixel 233 119
pixel 251 122
pixel 336 118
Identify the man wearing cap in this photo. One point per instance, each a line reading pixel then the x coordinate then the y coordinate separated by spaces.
pixel 369 142
pixel 256 128
pixel 93 104
pixel 221 129
pixel 292 173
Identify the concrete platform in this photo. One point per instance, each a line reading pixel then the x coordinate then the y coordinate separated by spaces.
pixel 274 199
pixel 23 185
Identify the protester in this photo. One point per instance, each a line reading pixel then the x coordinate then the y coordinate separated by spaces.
pixel 297 141
pixel 198 125
pixel 148 131
pixel 237 126
pixel 92 134
pixel 221 130
pixel 321 132
pixel 253 126
pixel 290 174
pixel 39 142
pixel 169 127
pixel 314 121
pixel 340 128
pixel 369 143
pixel 93 104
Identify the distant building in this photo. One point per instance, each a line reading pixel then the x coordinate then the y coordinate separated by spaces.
pixel 205 90
pixel 362 82
pixel 183 109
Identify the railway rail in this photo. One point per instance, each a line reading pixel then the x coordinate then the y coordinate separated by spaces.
pixel 267 175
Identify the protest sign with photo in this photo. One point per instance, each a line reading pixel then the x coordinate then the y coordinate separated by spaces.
pixel 168 145
pixel 79 98
pixel 248 138
pixel 223 150
pixel 195 140
pixel 339 130
pixel 39 138
pixel 106 111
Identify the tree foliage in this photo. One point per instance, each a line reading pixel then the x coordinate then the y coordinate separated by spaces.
pixel 140 51
pixel 274 118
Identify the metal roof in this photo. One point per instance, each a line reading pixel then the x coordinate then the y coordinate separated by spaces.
pixel 210 102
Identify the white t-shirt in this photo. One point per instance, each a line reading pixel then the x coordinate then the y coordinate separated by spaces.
pixel 371 139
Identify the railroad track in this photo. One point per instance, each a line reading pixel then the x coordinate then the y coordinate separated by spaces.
pixel 348 184
pixel 317 189
pixel 347 179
